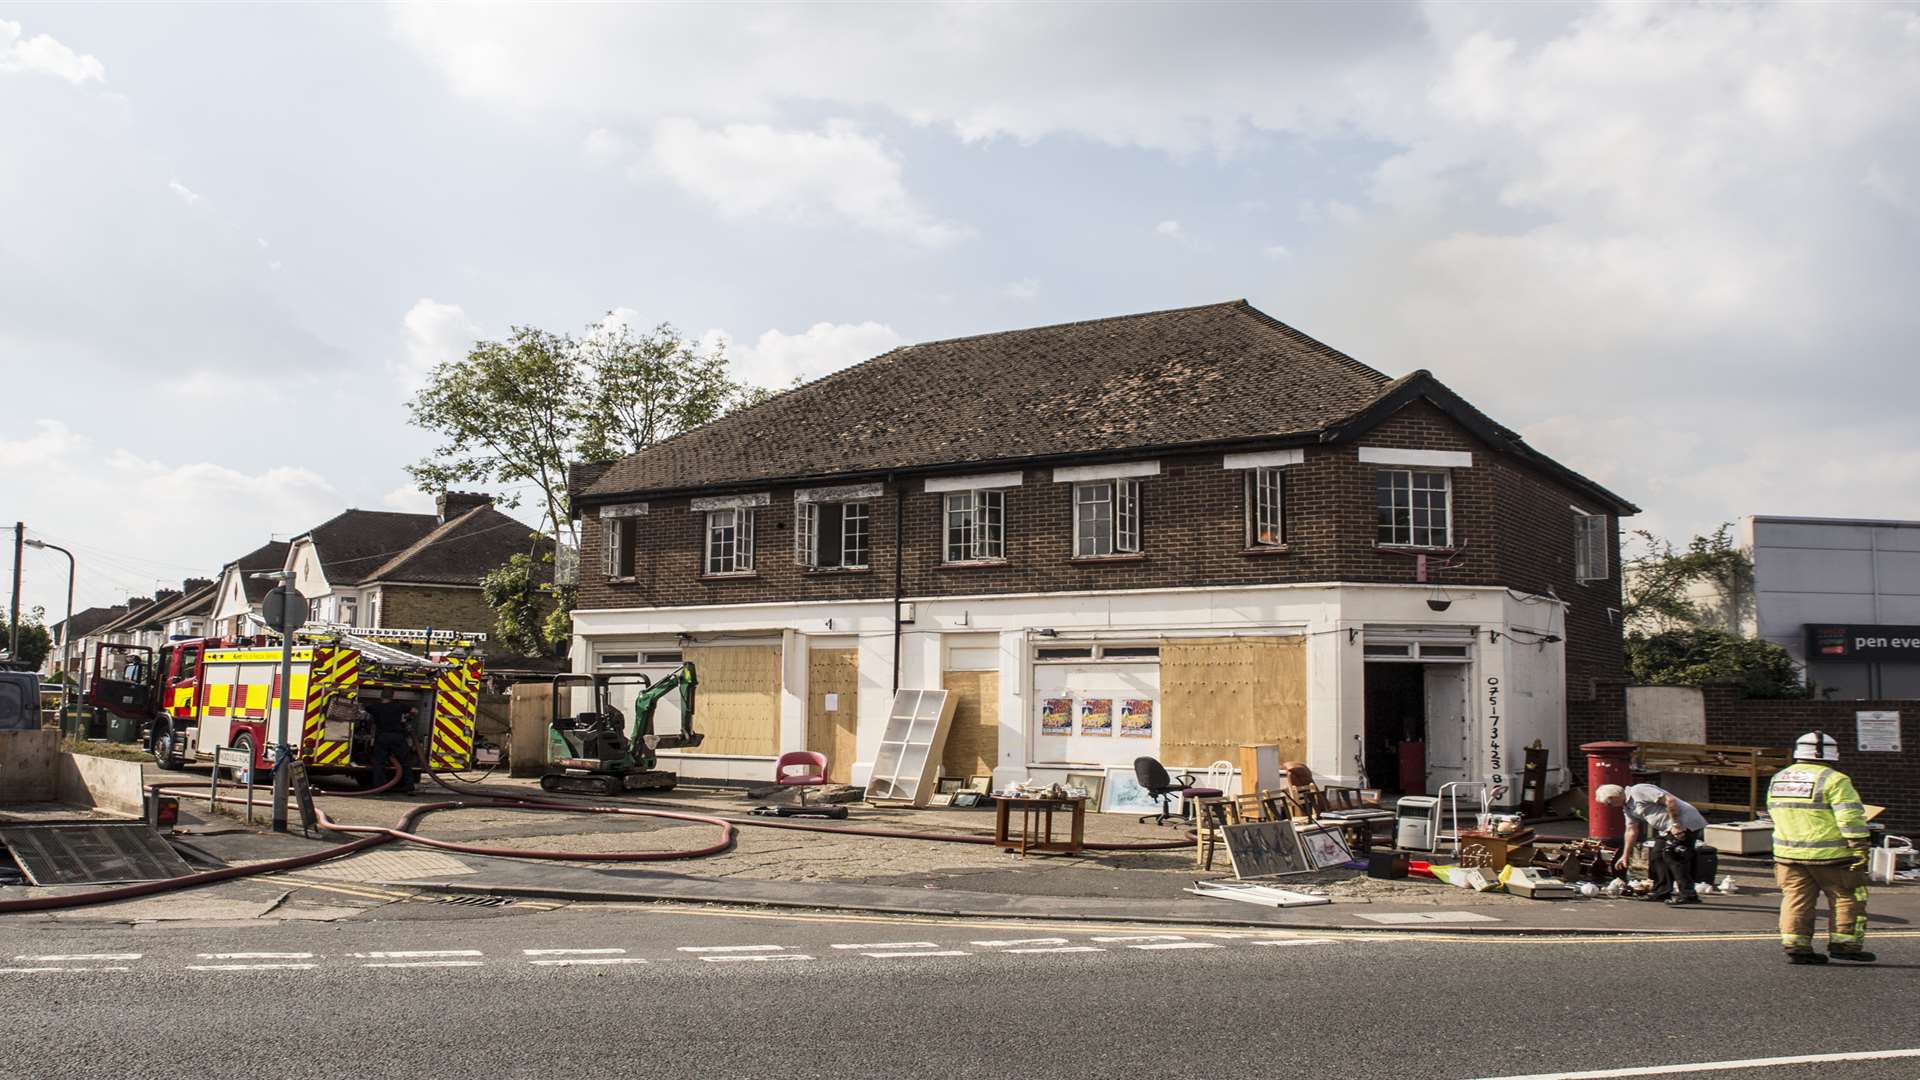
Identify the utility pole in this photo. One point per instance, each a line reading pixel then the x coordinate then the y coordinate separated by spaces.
pixel 286 611
pixel 13 609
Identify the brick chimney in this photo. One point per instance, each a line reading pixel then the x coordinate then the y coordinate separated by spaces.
pixel 195 584
pixel 451 504
pixel 165 596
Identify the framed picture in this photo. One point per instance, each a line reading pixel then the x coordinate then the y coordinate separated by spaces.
pixel 949 785
pixel 1096 716
pixel 1094 783
pixel 1260 849
pixel 941 798
pixel 966 798
pixel 1124 795
pixel 1322 846
pixel 982 783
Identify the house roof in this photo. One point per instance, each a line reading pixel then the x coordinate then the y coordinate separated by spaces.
pixel 135 613
pixel 268 556
pixel 86 622
pixel 458 552
pixel 197 600
pixel 354 544
pixel 1218 374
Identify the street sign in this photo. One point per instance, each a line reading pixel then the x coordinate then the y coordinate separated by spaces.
pixel 284 609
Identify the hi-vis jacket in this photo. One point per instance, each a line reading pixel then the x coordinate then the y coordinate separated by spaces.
pixel 1817 815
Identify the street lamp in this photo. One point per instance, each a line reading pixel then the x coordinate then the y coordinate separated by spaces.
pixel 66 628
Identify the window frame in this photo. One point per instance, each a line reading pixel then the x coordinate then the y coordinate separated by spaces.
pixel 1590 547
pixel 622 548
pixel 806 540
pixel 738 562
pixel 983 533
pixel 1256 488
pixel 1120 533
pixel 1413 530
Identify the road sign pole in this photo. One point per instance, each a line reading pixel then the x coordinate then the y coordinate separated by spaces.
pixel 280 758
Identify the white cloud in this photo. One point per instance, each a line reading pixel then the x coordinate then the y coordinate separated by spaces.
pixel 1171 230
pixel 42 55
pixel 1276 251
pixel 745 170
pixel 187 195
pixel 776 359
pixel 436 333
pixel 1025 289
pixel 50 442
pixel 408 500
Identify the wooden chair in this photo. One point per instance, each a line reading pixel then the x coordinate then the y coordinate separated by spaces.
pixel 1277 805
pixel 1210 816
pixel 1251 808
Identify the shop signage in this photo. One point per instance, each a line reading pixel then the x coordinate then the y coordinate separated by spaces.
pixel 1493 725
pixel 1835 641
pixel 1877 731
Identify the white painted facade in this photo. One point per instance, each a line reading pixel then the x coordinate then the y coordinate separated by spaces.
pixel 1514 682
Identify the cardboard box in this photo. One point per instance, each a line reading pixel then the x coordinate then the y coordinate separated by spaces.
pixel 1742 837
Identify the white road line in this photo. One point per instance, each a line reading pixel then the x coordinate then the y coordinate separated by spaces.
pixel 730 948
pixel 251 967
pixel 937 952
pixel 256 956
pixel 1021 941
pixel 572 952
pixel 38 970
pixel 1057 948
pixel 428 964
pixel 588 961
pixel 415 954
pixel 756 956
pixel 1178 945
pixel 892 945
pixel 56 958
pixel 1716 1066
pixel 1296 941
pixel 1139 937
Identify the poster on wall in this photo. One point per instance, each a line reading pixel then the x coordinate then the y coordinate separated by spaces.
pixel 1877 732
pixel 1136 718
pixel 1056 716
pixel 1096 716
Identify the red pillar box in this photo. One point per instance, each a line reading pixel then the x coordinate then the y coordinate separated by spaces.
pixel 1607 763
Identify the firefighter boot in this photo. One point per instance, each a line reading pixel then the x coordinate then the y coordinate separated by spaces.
pixel 1857 955
pixel 1795 956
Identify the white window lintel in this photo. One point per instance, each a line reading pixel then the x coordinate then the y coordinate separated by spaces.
pixel 843 493
pixel 1432 459
pixel 1264 459
pixel 1072 474
pixel 624 510
pixel 732 502
pixel 977 481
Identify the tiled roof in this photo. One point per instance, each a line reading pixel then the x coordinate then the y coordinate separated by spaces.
pixel 1192 375
pixel 269 556
pixel 86 622
pixel 197 601
pixel 459 552
pixel 353 544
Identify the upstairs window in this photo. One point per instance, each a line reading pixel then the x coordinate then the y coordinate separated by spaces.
pixel 976 525
pixel 729 542
pixel 1266 508
pixel 1413 508
pixel 1106 518
pixel 1591 546
pixel 621 533
pixel 832 535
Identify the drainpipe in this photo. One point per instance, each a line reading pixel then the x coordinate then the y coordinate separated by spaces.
pixel 899 568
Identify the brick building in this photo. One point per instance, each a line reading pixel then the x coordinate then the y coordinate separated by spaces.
pixel 1165 534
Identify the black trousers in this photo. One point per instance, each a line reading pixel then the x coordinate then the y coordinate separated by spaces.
pixel 1672 863
pixel 385 749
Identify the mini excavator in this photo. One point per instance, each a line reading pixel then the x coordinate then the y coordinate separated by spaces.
pixel 594 752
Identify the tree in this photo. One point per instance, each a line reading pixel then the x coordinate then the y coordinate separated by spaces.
pixel 1684 611
pixel 35 641
pixel 1701 656
pixel 515 413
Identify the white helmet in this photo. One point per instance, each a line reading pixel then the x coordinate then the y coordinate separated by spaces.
pixel 1816 746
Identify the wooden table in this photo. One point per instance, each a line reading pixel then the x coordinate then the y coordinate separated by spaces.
pixel 1036 816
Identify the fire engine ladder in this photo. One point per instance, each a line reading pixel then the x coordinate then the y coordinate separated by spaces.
pixel 373 650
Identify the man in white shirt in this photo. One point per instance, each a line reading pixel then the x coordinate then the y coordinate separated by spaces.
pixel 1676 827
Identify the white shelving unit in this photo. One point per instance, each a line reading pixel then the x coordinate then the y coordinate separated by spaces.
pixel 910 747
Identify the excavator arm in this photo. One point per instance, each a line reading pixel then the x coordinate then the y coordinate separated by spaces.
pixel 644 703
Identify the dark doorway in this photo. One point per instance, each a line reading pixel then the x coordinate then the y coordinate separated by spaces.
pixel 1396 728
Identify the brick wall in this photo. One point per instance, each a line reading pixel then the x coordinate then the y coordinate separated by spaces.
pixel 418 607
pixel 1884 779
pixel 1601 716
pixel 1512 526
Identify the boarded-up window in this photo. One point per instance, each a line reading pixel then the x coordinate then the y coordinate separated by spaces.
pixel 738 702
pixel 1217 695
pixel 973 740
pixel 833 708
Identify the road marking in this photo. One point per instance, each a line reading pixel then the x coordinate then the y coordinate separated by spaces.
pixel 256 956
pixel 754 956
pixel 572 952
pixel 730 948
pixel 429 964
pixel 1297 941
pixel 58 958
pixel 38 970
pixel 1057 948
pixel 1139 937
pixel 1405 917
pixel 896 955
pixel 1715 1066
pixel 251 967
pixel 590 961
pixel 1178 945
pixel 892 945
pixel 1022 941
pixel 415 954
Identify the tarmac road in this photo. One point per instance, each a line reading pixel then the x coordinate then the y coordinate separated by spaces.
pixel 661 992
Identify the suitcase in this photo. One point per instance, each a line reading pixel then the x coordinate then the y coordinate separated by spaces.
pixel 1706 863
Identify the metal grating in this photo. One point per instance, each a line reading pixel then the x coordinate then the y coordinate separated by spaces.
pixel 475 901
pixel 92 854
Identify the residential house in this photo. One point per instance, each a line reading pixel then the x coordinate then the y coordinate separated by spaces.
pixel 1167 535
pixel 71 636
pixel 238 594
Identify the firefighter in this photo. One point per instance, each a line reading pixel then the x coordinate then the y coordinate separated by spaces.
pixel 1820 842
pixel 393 740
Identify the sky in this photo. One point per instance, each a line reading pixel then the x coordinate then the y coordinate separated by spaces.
pixel 1673 245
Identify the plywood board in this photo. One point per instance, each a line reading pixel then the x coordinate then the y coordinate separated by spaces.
pixel 1218 694
pixel 833 708
pixel 739 698
pixel 973 739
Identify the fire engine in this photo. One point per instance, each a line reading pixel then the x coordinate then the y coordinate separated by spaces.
pixel 200 695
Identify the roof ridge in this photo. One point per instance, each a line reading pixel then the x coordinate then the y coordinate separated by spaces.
pixel 1362 365
pixel 1238 303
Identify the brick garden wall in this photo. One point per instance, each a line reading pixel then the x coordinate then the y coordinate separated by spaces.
pixel 418 607
pixel 1884 779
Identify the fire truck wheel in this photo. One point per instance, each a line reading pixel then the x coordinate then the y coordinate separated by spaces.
pixel 163 753
pixel 244 741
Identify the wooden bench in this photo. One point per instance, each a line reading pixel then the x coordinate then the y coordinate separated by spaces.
pixel 1751 763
